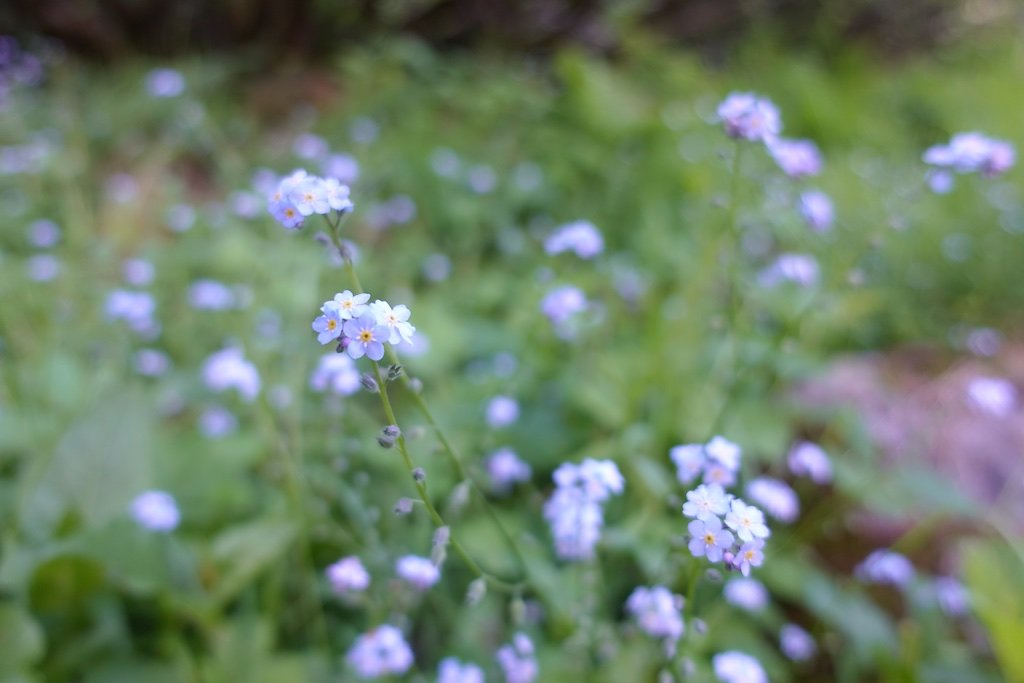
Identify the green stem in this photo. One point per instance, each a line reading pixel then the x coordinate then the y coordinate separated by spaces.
pixel 421 489
pixel 449 450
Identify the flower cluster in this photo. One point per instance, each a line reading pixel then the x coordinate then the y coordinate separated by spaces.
pixel 718 460
pixel 362 328
pixel 807 459
pixel 748 116
pixel 580 237
pixel 451 670
pixel 723 527
pixel 657 612
pixel 973 153
pixel 336 373
pixel 136 309
pixel 796 158
pixel 380 652
pixel 574 510
pixel 799 269
pixel 506 469
pixel 517 660
pixel 229 369
pixel 708 505
pixel 420 572
pixel 348 575
pixel 301 195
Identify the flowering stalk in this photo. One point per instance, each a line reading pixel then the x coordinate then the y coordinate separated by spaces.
pixel 421 404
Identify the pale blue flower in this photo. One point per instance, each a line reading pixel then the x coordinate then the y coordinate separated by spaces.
pixel 380 652
pixel 749 117
pixel 329 325
pixel 156 511
pixel 366 337
pixel 709 539
pixel 750 554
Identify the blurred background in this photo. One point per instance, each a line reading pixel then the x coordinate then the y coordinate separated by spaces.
pixel 139 140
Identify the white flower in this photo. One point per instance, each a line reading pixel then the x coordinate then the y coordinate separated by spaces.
pixel 395 319
pixel 746 520
pixel 725 452
pixel 706 501
pixel 351 305
pixel 418 571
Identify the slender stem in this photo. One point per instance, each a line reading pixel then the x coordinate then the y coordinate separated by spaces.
pixel 449 450
pixel 421 488
pixel 459 467
pixel 733 301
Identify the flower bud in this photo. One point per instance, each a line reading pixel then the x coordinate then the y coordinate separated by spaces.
pixel 403 506
pixel 459 496
pixel 369 383
pixel 476 592
pixel 394 372
pixel 441 536
pixel 391 431
pixel 385 441
pixel 418 475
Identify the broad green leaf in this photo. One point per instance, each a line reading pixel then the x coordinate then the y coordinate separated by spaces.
pixel 995 575
pixel 21 641
pixel 100 464
pixel 243 552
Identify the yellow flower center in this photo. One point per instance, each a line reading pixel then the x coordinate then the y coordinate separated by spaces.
pixel 366 336
pixel 709 538
pixel 331 325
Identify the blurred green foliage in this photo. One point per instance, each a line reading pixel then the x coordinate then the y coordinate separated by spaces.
pixel 238 593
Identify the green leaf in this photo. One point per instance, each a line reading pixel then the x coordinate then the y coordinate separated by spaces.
pixel 995 575
pixel 21 641
pixel 100 464
pixel 243 552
